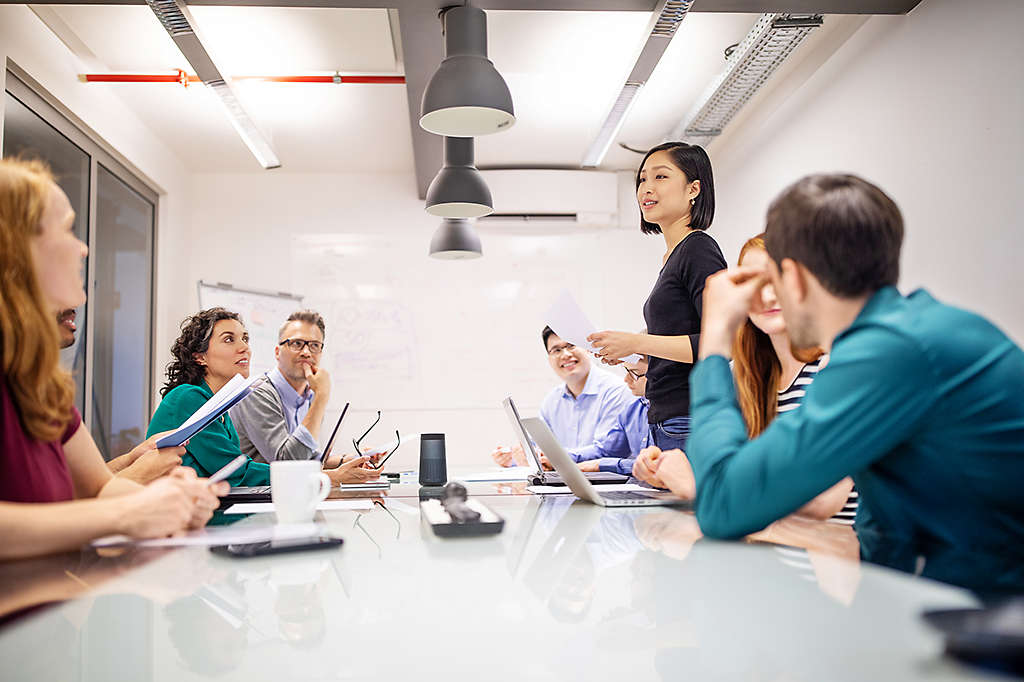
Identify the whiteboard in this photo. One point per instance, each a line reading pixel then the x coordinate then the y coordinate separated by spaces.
pixel 262 312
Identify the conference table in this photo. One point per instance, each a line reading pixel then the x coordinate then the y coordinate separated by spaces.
pixel 566 591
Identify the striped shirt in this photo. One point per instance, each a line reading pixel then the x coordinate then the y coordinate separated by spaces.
pixel 790 399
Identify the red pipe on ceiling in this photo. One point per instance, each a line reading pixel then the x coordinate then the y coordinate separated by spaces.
pixel 185 79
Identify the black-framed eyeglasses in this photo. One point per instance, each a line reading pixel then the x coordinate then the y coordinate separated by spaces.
pixel 315 347
pixel 357 441
pixel 558 349
pixel 635 375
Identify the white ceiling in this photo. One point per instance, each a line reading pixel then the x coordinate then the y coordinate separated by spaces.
pixel 564 70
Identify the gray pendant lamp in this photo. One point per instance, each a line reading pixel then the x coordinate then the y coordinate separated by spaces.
pixel 458 190
pixel 466 97
pixel 455 239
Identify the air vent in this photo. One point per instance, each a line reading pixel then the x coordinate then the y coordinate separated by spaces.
pixel 174 22
pixel 671 17
pixel 528 217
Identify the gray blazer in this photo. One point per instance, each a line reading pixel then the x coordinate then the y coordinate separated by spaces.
pixel 262 430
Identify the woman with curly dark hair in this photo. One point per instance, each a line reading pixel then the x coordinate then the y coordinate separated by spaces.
pixel 213 347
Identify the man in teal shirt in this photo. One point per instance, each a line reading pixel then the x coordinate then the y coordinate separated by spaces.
pixel 921 403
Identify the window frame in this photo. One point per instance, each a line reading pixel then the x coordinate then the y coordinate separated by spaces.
pixel 20 85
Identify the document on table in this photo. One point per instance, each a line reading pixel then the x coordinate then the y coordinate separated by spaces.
pixel 325 505
pixel 219 535
pixel 564 489
pixel 571 324
pixel 229 395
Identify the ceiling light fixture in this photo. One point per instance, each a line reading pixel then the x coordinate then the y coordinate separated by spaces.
pixel 455 239
pixel 458 190
pixel 772 39
pixel 179 24
pixel 668 15
pixel 466 97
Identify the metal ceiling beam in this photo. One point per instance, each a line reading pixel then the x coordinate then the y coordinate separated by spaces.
pixel 743 6
pixel 422 50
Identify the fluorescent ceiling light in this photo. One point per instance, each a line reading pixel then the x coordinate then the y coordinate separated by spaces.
pixel 772 39
pixel 668 15
pixel 179 24
pixel 612 125
pixel 244 126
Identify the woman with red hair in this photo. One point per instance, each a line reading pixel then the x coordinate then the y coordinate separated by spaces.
pixel 50 468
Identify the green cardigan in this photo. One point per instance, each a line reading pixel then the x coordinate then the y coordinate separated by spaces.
pixel 214 446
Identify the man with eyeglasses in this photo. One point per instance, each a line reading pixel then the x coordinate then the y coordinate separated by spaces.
pixel 281 418
pixel 615 450
pixel 586 405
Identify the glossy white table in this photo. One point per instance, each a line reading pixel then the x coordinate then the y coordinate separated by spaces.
pixel 566 592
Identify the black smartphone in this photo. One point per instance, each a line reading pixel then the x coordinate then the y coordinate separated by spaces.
pixel 251 549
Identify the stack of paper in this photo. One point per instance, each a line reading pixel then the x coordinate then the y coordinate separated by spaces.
pixel 228 396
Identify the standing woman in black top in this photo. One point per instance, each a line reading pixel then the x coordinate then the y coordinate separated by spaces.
pixel 676 193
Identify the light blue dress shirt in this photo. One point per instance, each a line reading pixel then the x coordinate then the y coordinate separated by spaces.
pixel 296 407
pixel 618 447
pixel 576 422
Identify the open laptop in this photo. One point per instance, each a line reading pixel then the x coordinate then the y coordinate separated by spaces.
pixel 539 476
pixel 261 493
pixel 579 484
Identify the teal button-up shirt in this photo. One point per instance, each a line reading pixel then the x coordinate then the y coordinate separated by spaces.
pixel 214 446
pixel 922 403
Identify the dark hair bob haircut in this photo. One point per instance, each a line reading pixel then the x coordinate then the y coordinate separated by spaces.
pixel 695 164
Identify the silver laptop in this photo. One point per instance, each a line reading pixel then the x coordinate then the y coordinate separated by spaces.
pixel 539 476
pixel 579 484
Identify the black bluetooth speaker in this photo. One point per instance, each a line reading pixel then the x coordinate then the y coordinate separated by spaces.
pixel 433 468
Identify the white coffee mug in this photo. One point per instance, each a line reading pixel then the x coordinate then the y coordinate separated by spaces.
pixel 296 487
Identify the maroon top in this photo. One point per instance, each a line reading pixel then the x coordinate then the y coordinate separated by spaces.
pixel 32 470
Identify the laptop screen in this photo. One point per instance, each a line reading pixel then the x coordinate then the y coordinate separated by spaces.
pixel 532 459
pixel 330 442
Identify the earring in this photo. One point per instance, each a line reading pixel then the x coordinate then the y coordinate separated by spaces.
pixel 693 202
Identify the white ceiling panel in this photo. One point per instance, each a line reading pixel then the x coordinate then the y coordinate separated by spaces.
pixel 125 38
pixel 564 70
pixel 283 41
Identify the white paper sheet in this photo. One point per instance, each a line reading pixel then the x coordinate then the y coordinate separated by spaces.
pixel 571 324
pixel 326 505
pixel 219 535
pixel 564 489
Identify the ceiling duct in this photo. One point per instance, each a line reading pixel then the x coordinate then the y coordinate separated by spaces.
pixel 664 24
pixel 772 39
pixel 179 24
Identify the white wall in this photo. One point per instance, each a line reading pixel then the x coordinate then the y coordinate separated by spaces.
pixel 434 344
pixel 25 40
pixel 930 107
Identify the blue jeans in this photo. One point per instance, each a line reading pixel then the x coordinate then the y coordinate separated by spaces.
pixel 671 433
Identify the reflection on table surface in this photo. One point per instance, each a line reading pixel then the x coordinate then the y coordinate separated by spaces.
pixel 567 591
